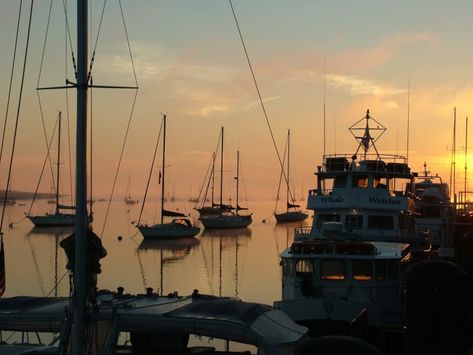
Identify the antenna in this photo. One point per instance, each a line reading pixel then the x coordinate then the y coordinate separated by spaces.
pixel 452 165
pixel 324 111
pixel 408 116
pixel 466 158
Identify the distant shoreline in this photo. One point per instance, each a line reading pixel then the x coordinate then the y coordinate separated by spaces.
pixel 24 195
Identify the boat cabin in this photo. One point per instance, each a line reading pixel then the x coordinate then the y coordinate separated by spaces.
pixel 327 279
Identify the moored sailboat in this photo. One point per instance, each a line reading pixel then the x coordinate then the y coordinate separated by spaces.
pixel 178 227
pixel 293 212
pixel 58 218
pixel 228 218
pixel 128 199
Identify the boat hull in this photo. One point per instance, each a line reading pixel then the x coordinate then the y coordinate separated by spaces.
pixel 291 216
pixel 167 231
pixel 55 220
pixel 226 221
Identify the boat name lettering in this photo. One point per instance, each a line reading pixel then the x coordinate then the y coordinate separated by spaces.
pixel 385 201
pixel 329 199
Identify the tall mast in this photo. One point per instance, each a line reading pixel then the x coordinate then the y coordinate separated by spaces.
pixel 287 177
pixel 408 117
pixel 454 151
pixel 58 161
pixel 79 300
pixel 466 159
pixel 237 180
pixel 213 179
pixel 164 167
pixel 324 112
pixel 221 172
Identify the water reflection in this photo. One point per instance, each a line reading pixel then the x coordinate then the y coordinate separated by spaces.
pixel 228 243
pixel 47 239
pixel 169 251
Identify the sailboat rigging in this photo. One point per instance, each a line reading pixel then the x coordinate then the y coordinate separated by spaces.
pixel 128 199
pixel 178 227
pixel 214 208
pixel 293 212
pixel 58 218
pixel 227 218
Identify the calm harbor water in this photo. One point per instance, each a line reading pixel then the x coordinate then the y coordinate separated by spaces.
pixel 242 263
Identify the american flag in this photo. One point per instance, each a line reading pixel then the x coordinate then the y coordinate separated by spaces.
pixel 2 267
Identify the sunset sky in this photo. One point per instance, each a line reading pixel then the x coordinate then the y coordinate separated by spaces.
pixel 190 65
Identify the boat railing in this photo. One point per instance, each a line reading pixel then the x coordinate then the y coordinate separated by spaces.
pixel 302 233
pixel 373 162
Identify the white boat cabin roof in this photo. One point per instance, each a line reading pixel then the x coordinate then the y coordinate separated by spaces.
pixel 347 250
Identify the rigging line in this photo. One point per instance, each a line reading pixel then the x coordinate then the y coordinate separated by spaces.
pixel 150 172
pixel 128 42
pixel 258 92
pixel 97 38
pixel 11 81
pixel 211 176
pixel 208 173
pixel 68 118
pixel 57 283
pixel 5 197
pixel 40 104
pixel 44 166
pixel 119 164
pixel 68 30
pixel 280 179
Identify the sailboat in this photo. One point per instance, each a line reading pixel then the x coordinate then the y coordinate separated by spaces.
pixel 214 209
pixel 128 199
pixel 179 227
pixel 293 212
pixel 228 218
pixel 58 218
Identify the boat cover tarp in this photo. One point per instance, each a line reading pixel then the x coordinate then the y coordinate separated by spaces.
pixel 168 213
pixel 250 323
pixel 290 205
pixel 66 207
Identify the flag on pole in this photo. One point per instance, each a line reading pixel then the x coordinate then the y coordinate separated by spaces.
pixel 2 267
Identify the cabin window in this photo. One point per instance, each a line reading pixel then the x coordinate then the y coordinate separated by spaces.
pixel 288 267
pixel 380 222
pixel 387 269
pixel 362 270
pixel 332 270
pixel 340 181
pixel 359 181
pixel 380 182
pixel 322 218
pixel 354 221
pixel 304 267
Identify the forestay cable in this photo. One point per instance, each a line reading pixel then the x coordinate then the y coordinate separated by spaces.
pixel 259 95
pixel 5 197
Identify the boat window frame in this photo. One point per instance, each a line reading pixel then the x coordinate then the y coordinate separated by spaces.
pixel 357 178
pixel 383 225
pixel 358 276
pixel 333 276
